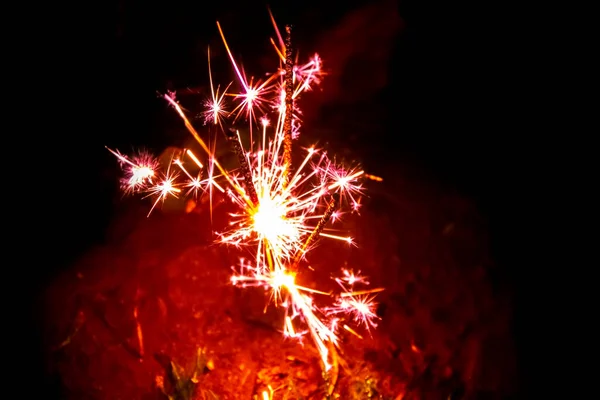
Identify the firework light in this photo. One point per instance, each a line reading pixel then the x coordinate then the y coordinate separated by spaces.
pixel 282 207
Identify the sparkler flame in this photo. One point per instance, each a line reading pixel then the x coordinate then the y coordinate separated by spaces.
pixel 280 213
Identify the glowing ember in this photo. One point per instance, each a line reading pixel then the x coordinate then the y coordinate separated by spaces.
pixel 282 209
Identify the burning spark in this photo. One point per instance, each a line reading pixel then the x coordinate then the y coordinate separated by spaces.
pixel 215 109
pixel 282 209
pixel 139 170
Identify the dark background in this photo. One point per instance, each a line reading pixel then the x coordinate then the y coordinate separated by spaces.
pixel 448 109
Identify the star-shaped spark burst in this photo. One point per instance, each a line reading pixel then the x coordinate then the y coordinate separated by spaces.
pixel 282 209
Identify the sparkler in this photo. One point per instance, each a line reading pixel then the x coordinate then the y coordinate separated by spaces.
pixel 281 211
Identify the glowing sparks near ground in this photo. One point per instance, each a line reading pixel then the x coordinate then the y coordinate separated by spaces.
pixel 282 208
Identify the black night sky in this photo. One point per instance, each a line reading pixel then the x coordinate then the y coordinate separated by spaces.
pixel 436 97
